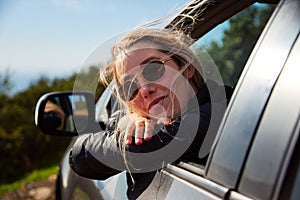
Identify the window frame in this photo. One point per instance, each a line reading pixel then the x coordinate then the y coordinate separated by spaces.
pixel 277 133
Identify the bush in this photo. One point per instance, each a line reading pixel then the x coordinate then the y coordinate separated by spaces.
pixel 23 148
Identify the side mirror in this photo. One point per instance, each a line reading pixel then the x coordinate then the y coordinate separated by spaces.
pixel 66 113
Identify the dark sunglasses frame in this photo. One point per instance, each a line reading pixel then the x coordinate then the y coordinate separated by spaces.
pixel 151 72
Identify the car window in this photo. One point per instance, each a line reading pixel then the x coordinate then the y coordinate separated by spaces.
pixel 224 50
pixel 230 44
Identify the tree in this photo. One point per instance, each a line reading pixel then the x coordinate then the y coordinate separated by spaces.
pixel 88 80
pixel 22 145
pixel 239 39
pixel 5 82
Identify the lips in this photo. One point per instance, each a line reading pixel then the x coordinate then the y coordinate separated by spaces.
pixel 156 101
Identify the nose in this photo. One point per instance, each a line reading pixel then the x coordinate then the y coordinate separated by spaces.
pixel 147 90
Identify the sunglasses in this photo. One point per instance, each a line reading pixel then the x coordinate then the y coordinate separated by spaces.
pixel 151 72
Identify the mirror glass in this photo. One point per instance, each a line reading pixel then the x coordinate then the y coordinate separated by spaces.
pixel 65 113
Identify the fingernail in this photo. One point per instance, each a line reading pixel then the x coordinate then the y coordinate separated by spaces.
pixel 128 142
pixel 138 141
pixel 148 137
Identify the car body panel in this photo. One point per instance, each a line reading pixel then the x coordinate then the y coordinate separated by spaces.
pixel 275 134
pixel 251 96
pixel 114 187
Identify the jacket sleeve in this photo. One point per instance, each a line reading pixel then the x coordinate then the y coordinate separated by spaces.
pixel 92 153
pixel 98 156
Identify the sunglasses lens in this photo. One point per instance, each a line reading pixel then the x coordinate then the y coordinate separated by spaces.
pixel 128 90
pixel 153 71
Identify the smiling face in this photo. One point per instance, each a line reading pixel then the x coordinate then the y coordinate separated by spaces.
pixel 168 94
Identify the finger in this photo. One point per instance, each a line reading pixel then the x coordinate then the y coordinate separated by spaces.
pixel 139 132
pixel 129 132
pixel 149 129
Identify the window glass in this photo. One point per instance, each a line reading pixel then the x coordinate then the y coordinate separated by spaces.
pixel 229 44
pixel 225 50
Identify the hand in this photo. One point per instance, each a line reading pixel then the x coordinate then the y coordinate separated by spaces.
pixel 141 128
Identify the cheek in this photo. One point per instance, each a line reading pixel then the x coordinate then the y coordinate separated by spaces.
pixel 181 96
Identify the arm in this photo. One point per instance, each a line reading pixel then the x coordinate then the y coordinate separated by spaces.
pixel 98 156
pixel 91 151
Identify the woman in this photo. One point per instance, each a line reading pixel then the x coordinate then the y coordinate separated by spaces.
pixel 166 107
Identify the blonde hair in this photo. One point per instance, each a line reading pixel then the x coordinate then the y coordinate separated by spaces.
pixel 170 41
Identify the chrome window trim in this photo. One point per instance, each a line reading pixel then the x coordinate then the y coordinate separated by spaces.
pixel 237 196
pixel 195 179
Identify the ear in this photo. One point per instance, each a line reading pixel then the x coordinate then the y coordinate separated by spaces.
pixel 190 71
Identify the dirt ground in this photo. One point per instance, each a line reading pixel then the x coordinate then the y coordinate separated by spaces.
pixel 42 190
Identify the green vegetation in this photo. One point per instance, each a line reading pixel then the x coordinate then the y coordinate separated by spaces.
pixel 78 193
pixel 238 41
pixel 23 147
pixel 36 175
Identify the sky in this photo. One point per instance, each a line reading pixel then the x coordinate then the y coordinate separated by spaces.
pixel 55 37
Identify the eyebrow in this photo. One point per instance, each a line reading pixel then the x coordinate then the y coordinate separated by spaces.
pixel 147 60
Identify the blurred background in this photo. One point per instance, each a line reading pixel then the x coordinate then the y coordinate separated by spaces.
pixel 42 46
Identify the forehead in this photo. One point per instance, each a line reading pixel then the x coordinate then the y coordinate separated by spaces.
pixel 140 53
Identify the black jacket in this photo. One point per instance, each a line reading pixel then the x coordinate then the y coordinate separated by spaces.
pixel 98 156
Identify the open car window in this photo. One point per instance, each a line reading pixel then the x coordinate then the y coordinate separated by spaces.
pixel 230 44
pixel 225 49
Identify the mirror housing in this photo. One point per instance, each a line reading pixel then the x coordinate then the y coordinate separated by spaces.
pixel 66 113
